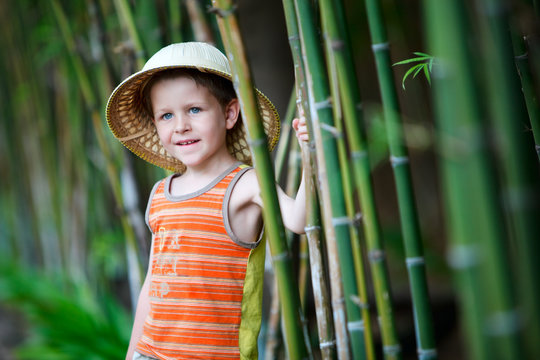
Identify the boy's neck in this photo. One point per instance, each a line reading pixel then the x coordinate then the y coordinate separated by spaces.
pixel 196 177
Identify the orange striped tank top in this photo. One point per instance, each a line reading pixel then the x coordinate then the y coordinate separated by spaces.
pixel 206 285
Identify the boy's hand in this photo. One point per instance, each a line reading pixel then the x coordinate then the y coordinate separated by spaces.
pixel 299 125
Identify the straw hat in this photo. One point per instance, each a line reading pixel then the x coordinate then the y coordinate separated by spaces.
pixel 131 124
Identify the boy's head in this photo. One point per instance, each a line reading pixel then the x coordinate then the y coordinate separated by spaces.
pixel 129 110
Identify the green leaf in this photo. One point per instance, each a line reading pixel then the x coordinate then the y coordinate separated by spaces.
pixel 409 72
pixel 426 73
pixel 423 66
pixel 408 61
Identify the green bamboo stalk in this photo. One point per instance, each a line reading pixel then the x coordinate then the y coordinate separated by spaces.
pixel 73 169
pixel 437 18
pixel 285 140
pixel 329 28
pixel 410 226
pixel 521 175
pixel 130 196
pixel 175 24
pixel 37 146
pixel 521 56
pixel 325 132
pixel 372 228
pixel 26 241
pixel 314 226
pixel 136 272
pixel 288 291
pixel 476 229
pixel 126 19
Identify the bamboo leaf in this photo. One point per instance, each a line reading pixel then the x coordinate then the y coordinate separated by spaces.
pixel 428 76
pixel 411 60
pixel 422 54
pixel 423 66
pixel 409 72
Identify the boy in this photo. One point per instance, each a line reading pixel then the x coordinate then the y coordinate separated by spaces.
pixel 202 294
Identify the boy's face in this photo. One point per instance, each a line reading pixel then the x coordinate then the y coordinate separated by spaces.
pixel 190 122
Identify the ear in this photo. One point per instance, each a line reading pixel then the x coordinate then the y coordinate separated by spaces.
pixel 232 112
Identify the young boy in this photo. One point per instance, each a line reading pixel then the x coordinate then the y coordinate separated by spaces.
pixel 202 294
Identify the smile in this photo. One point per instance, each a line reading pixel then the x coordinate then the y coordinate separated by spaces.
pixel 189 142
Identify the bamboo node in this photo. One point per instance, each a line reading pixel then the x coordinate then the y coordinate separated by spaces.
pixel 523 56
pixel 341 221
pixel 222 13
pixel 463 256
pixel 325 104
pixel 294 37
pixel 427 353
pixel 399 160
pixel 392 349
pixel 327 344
pixel 280 257
pixel 376 255
pixel 337 45
pixel 415 261
pixel 312 228
pixel 338 302
pixel 359 154
pixel 380 47
pixel 332 130
pixel 254 143
pixel 358 301
pixel 355 325
pixel 358 219
pixel 503 323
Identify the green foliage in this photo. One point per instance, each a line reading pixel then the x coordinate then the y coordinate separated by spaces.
pixel 66 319
pixel 425 65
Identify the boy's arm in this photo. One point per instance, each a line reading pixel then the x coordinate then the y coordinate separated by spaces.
pixel 293 211
pixel 143 308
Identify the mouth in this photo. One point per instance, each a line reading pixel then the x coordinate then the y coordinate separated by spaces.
pixel 186 142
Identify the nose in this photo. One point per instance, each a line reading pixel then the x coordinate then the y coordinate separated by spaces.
pixel 181 124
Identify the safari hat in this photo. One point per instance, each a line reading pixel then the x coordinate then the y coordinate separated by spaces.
pixel 132 125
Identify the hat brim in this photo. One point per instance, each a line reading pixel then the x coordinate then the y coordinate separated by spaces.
pixel 134 128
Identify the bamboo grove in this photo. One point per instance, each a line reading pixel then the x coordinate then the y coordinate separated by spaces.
pixel 423 177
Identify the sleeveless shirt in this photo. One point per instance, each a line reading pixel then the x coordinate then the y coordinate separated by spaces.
pixel 206 285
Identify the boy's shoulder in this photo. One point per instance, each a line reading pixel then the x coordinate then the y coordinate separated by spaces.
pixel 247 187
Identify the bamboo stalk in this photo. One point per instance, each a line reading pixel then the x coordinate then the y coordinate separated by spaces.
pixel 126 18
pixel 288 291
pixel 476 229
pixel 135 273
pixel 521 56
pixel 285 140
pixel 330 176
pixel 175 25
pixel 313 226
pixel 273 333
pixel 328 16
pixel 318 274
pixel 36 146
pixel 199 24
pixel 521 175
pixel 410 226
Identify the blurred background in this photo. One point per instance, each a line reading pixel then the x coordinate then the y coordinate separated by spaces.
pixel 73 243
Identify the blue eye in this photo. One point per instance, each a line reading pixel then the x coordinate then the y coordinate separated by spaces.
pixel 167 116
pixel 195 110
